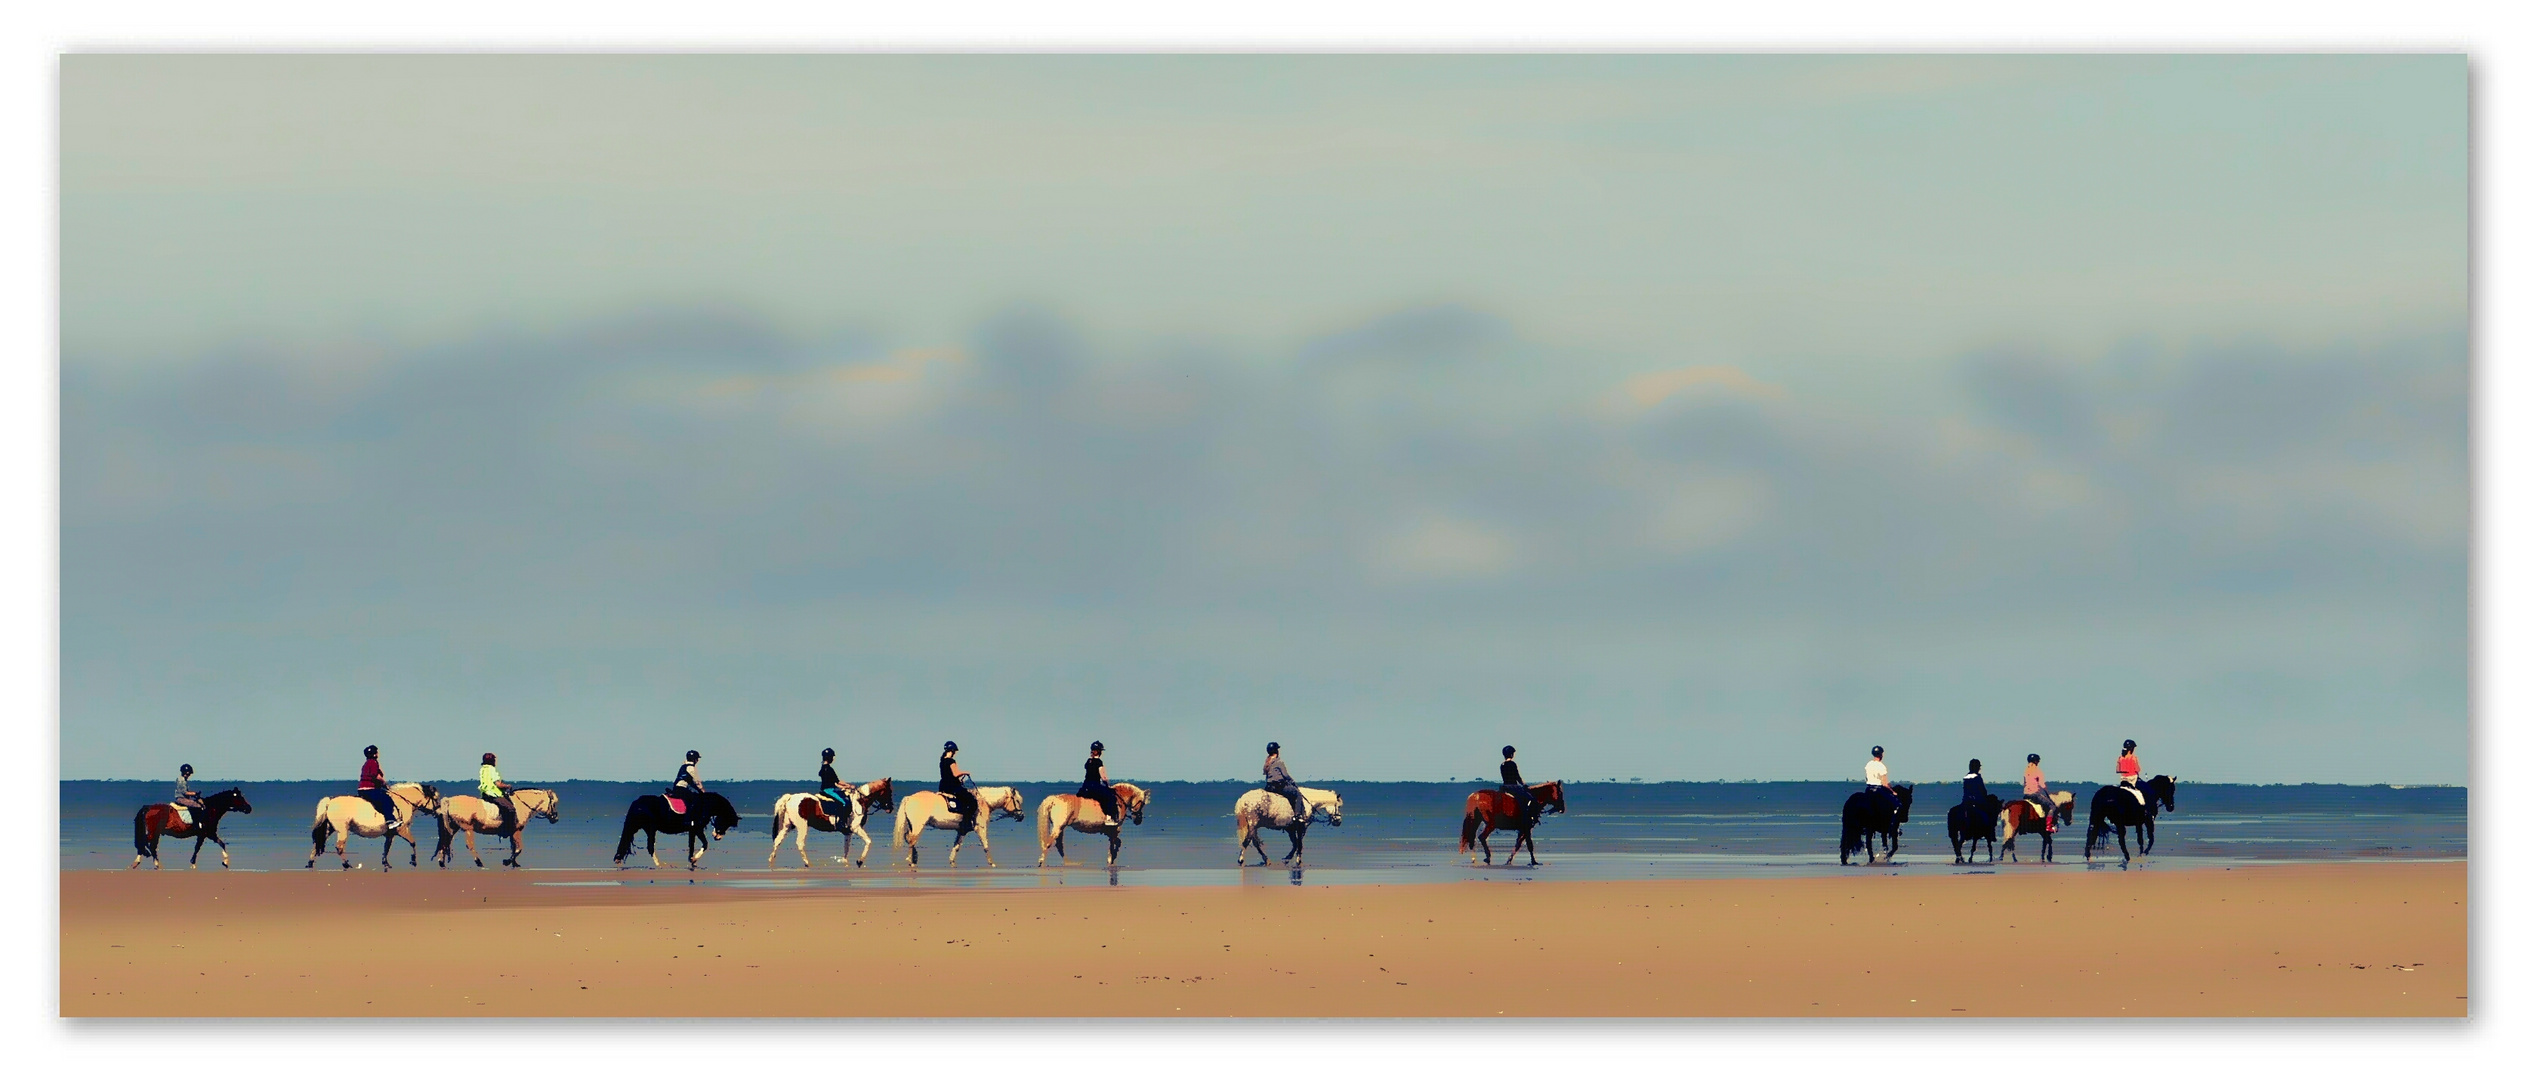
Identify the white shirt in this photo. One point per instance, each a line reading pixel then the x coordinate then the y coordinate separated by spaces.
pixel 1877 776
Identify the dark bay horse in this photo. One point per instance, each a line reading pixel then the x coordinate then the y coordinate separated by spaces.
pixel 1966 824
pixel 158 819
pixel 1864 816
pixel 652 815
pixel 1493 810
pixel 2119 809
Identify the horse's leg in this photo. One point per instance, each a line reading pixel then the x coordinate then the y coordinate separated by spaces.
pixel 1296 846
pixel 1112 857
pixel 1531 858
pixel 982 828
pixel 197 850
pixel 652 840
pixel 469 847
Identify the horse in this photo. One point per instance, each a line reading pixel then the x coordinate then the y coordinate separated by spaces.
pixel 651 814
pixel 1057 813
pixel 1963 826
pixel 159 819
pixel 1259 809
pixel 473 814
pixel 2017 818
pixel 804 811
pixel 1862 818
pixel 923 809
pixel 1493 810
pixel 340 817
pixel 2119 809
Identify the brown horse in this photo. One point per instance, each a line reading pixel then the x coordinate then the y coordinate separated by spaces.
pixel 2018 817
pixel 1058 813
pixel 472 814
pixel 1494 810
pixel 159 819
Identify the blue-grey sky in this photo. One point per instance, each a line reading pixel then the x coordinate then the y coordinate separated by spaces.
pixel 1672 417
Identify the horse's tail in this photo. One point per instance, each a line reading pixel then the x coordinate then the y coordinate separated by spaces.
pixel 323 828
pixel 1472 820
pixel 140 831
pixel 1849 834
pixel 902 826
pixel 1043 829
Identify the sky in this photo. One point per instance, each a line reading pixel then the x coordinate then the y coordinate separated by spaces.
pixel 1671 417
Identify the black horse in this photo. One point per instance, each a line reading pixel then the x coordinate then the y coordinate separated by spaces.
pixel 158 819
pixel 1868 814
pixel 2120 809
pixel 1973 824
pixel 650 814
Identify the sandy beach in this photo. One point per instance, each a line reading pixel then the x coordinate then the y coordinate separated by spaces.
pixel 2363 939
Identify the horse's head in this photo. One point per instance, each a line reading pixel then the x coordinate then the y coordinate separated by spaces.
pixel 231 801
pixel 424 796
pixel 1331 808
pixel 1012 804
pixel 722 815
pixel 879 795
pixel 2162 785
pixel 1134 800
pixel 1903 793
pixel 1550 795
pixel 550 810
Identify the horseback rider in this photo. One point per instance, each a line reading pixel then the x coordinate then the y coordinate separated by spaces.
pixel 687 786
pixel 372 787
pixel 951 778
pixel 1275 780
pixel 2037 794
pixel 1979 805
pixel 1880 781
pixel 829 787
pixel 495 791
pixel 186 799
pixel 1097 787
pixel 1512 781
pixel 2127 769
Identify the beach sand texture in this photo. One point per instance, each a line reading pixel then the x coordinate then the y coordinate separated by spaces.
pixel 2363 939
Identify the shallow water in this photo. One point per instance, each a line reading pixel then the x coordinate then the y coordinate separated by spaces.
pixel 1390 833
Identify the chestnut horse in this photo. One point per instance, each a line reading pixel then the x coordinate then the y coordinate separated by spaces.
pixel 475 814
pixel 1057 813
pixel 2018 817
pixel 1494 810
pixel 159 819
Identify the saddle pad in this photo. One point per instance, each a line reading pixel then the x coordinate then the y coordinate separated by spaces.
pixel 677 805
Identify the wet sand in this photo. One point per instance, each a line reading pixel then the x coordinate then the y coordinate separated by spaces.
pixel 2310 940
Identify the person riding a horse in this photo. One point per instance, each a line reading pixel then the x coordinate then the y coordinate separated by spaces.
pixel 1880 779
pixel 1978 803
pixel 1512 781
pixel 688 784
pixel 372 787
pixel 186 800
pixel 1275 780
pixel 828 786
pixel 1097 787
pixel 495 791
pixel 951 778
pixel 2037 794
pixel 2127 769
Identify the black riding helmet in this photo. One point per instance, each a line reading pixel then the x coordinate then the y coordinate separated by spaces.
pixel 186 770
pixel 1271 749
pixel 692 755
pixel 1879 751
pixel 828 753
pixel 2033 759
pixel 2129 744
pixel 371 751
pixel 1975 767
pixel 950 746
pixel 489 758
pixel 1507 751
pixel 1096 747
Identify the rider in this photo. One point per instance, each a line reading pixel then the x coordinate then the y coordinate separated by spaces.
pixel 1879 779
pixel 837 805
pixel 372 787
pixel 186 800
pixel 687 785
pixel 1096 787
pixel 951 778
pixel 1275 780
pixel 1512 781
pixel 2127 769
pixel 1976 797
pixel 2037 794
pixel 495 791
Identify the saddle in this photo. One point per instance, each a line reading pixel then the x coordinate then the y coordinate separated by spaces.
pixel 182 814
pixel 835 815
pixel 677 805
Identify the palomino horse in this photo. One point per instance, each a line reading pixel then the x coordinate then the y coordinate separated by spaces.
pixel 159 819
pixel 1491 811
pixel 1863 817
pixel 653 815
pixel 1964 826
pixel 1258 809
pixel 926 809
pixel 804 811
pixel 342 816
pixel 2018 818
pixel 2118 808
pixel 474 814
pixel 1057 813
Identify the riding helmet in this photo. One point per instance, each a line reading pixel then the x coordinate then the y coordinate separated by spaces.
pixel 371 751
pixel 950 746
pixel 1879 751
pixel 2033 759
pixel 828 753
pixel 489 758
pixel 1096 747
pixel 1271 749
pixel 1975 767
pixel 692 755
pixel 2129 744
pixel 186 770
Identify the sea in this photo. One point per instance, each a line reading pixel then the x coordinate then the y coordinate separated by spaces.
pixel 1390 833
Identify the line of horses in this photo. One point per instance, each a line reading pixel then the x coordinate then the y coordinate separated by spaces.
pixel 1868 815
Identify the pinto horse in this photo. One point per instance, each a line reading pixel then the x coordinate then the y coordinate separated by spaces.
pixel 804 811
pixel 929 809
pixel 1864 816
pixel 1058 813
pixel 1964 826
pixel 341 817
pixel 1259 809
pixel 159 819
pixel 1493 810
pixel 2018 817
pixel 2120 809
pixel 472 814
pixel 653 815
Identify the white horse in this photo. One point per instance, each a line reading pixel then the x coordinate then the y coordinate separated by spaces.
pixel 340 817
pixel 1259 809
pixel 923 809
pixel 803 812
pixel 1059 812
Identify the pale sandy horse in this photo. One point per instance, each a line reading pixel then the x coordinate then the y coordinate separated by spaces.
pixel 925 809
pixel 343 816
pixel 803 812
pixel 1259 809
pixel 472 814
pixel 1057 813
